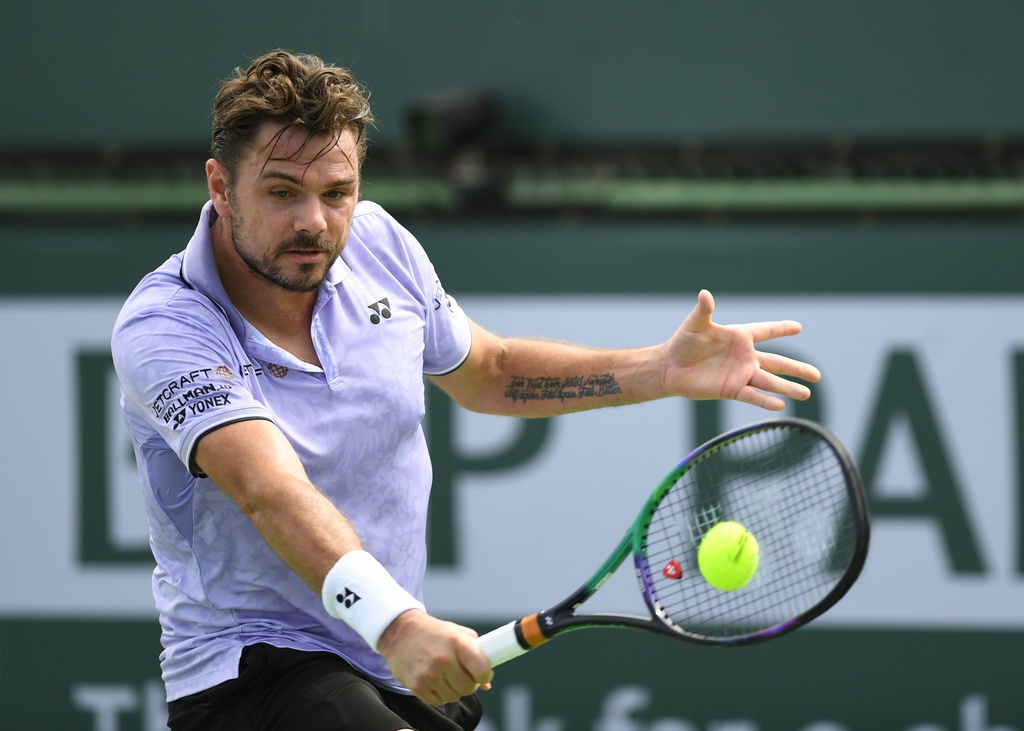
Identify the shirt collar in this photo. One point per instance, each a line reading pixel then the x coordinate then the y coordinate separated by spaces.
pixel 199 270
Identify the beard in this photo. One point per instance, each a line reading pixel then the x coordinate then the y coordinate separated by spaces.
pixel 304 277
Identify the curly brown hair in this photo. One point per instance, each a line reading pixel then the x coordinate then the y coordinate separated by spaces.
pixel 298 90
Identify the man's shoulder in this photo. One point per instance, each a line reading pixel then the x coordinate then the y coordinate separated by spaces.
pixel 378 232
pixel 369 208
pixel 372 224
pixel 165 293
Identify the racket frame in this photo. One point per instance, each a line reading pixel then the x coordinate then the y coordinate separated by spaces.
pixel 521 635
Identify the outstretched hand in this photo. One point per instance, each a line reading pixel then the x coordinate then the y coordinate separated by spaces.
pixel 705 360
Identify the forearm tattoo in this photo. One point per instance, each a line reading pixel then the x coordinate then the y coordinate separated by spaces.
pixel 545 388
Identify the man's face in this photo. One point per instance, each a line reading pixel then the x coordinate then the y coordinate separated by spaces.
pixel 291 214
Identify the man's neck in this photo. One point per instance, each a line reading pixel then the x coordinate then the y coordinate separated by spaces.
pixel 283 317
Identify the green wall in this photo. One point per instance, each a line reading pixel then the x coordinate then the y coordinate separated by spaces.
pixel 596 256
pixel 810 681
pixel 145 73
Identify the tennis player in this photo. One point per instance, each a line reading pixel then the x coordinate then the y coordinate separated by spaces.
pixel 272 381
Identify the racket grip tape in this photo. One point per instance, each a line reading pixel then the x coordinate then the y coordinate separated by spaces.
pixel 511 640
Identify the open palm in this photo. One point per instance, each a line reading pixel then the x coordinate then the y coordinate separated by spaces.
pixel 705 360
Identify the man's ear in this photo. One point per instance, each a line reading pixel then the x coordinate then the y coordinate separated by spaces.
pixel 217 182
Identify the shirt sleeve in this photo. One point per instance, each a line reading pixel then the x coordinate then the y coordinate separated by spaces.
pixel 183 374
pixel 447 336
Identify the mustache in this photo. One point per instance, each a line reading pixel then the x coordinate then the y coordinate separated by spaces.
pixel 302 242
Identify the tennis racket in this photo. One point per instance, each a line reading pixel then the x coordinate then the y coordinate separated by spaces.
pixel 795 488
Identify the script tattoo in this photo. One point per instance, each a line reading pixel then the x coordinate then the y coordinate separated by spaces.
pixel 543 388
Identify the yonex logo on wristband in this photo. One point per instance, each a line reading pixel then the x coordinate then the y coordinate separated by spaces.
pixel 348 598
pixel 383 598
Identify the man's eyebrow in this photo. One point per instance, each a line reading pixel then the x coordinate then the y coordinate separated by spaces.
pixel 274 175
pixel 289 178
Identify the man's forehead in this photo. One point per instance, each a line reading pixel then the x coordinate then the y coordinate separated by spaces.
pixel 293 145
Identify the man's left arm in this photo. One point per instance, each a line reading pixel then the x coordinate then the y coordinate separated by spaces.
pixel 702 360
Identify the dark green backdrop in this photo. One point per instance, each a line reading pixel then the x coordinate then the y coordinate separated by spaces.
pixel 144 73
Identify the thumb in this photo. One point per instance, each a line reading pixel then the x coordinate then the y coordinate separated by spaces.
pixel 473 659
pixel 700 317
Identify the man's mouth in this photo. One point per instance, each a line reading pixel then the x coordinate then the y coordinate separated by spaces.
pixel 306 255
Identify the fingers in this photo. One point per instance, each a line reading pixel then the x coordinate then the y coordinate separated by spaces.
pixel 475 663
pixel 750 395
pixel 783 366
pixel 771 383
pixel 758 391
pixel 707 360
pixel 761 331
pixel 773 366
pixel 700 317
pixel 439 661
pixel 452 676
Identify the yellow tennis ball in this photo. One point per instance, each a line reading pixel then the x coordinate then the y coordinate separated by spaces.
pixel 728 556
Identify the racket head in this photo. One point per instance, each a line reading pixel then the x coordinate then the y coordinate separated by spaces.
pixel 794 486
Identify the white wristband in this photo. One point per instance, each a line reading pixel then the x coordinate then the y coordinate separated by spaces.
pixel 361 592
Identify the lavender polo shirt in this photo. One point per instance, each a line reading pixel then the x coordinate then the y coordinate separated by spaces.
pixel 188 363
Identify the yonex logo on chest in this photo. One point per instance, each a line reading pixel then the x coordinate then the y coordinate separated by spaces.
pixel 381 309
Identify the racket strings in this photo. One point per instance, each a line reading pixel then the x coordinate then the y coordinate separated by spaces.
pixel 790 489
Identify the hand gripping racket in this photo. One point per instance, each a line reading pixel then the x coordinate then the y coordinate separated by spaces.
pixel 795 488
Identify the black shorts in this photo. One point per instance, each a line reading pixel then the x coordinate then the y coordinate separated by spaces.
pixel 285 690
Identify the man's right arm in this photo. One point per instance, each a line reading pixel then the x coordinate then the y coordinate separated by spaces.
pixel 255 465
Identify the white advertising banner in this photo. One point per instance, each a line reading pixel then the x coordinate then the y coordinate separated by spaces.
pixel 924 390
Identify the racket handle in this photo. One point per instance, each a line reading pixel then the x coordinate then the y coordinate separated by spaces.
pixel 500 645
